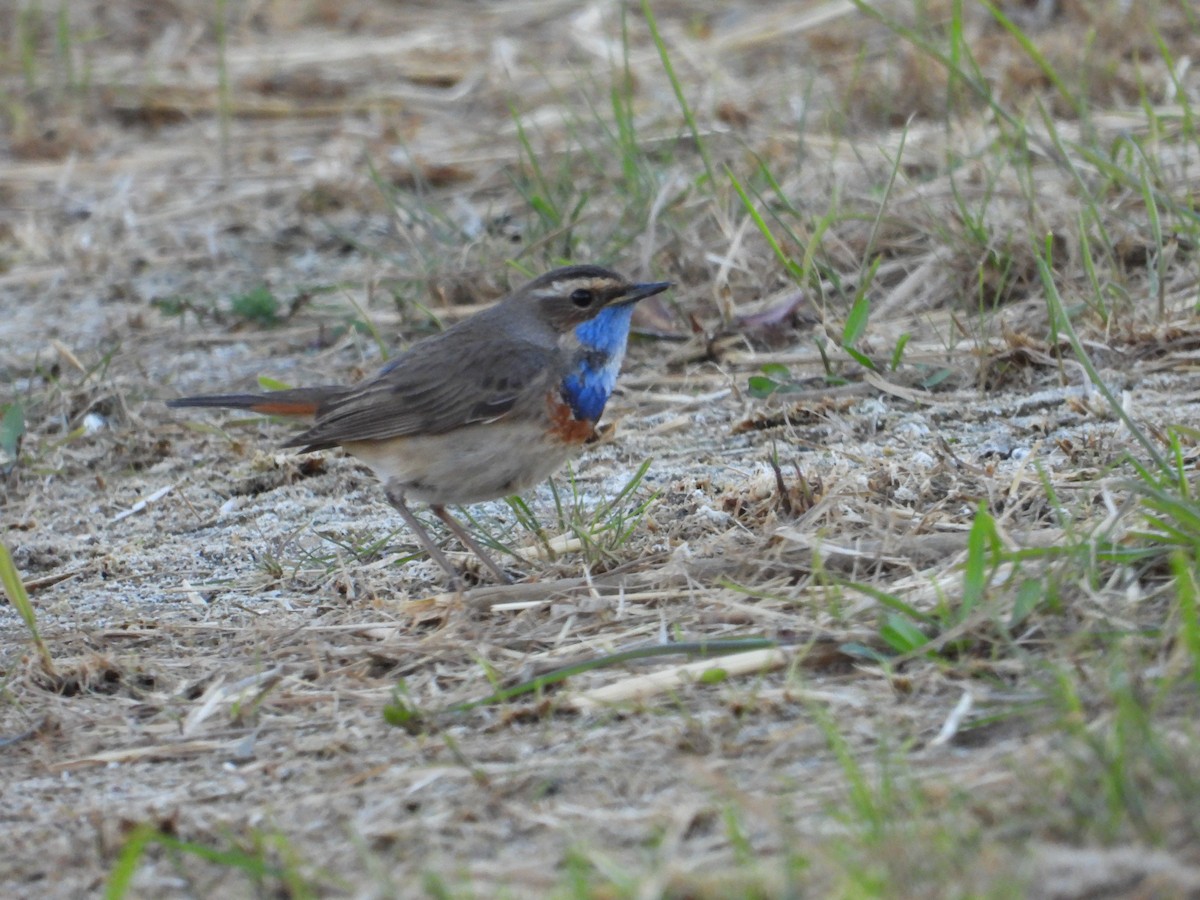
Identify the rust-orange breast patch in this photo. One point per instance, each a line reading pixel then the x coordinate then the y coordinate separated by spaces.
pixel 563 424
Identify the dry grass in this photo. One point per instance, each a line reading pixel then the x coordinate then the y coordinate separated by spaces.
pixel 938 228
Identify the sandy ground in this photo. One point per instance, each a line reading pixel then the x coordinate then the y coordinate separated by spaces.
pixel 229 621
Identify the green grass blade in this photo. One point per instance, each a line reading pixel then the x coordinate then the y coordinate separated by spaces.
pixel 764 229
pixel 1183 567
pixel 14 589
pixel 251 864
pixel 892 602
pixel 856 322
pixel 688 116
pixel 1062 322
pixel 1035 55
pixel 12 429
pixel 982 545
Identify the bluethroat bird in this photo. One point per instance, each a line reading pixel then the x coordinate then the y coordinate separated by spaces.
pixel 491 406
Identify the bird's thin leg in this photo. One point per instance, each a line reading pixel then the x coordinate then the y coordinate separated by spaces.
pixel 471 544
pixel 396 498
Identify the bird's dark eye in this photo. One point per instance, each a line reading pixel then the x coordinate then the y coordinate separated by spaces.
pixel 582 298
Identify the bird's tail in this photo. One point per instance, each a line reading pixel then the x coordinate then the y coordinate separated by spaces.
pixel 295 402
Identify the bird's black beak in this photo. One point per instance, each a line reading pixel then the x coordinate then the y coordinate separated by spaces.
pixel 638 292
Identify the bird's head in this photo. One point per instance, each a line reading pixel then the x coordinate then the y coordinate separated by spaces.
pixel 565 298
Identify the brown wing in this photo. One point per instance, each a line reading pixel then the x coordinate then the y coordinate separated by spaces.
pixel 436 387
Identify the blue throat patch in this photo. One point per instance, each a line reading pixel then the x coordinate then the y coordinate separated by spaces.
pixel 601 351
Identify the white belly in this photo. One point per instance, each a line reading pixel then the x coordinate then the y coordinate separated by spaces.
pixel 468 465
